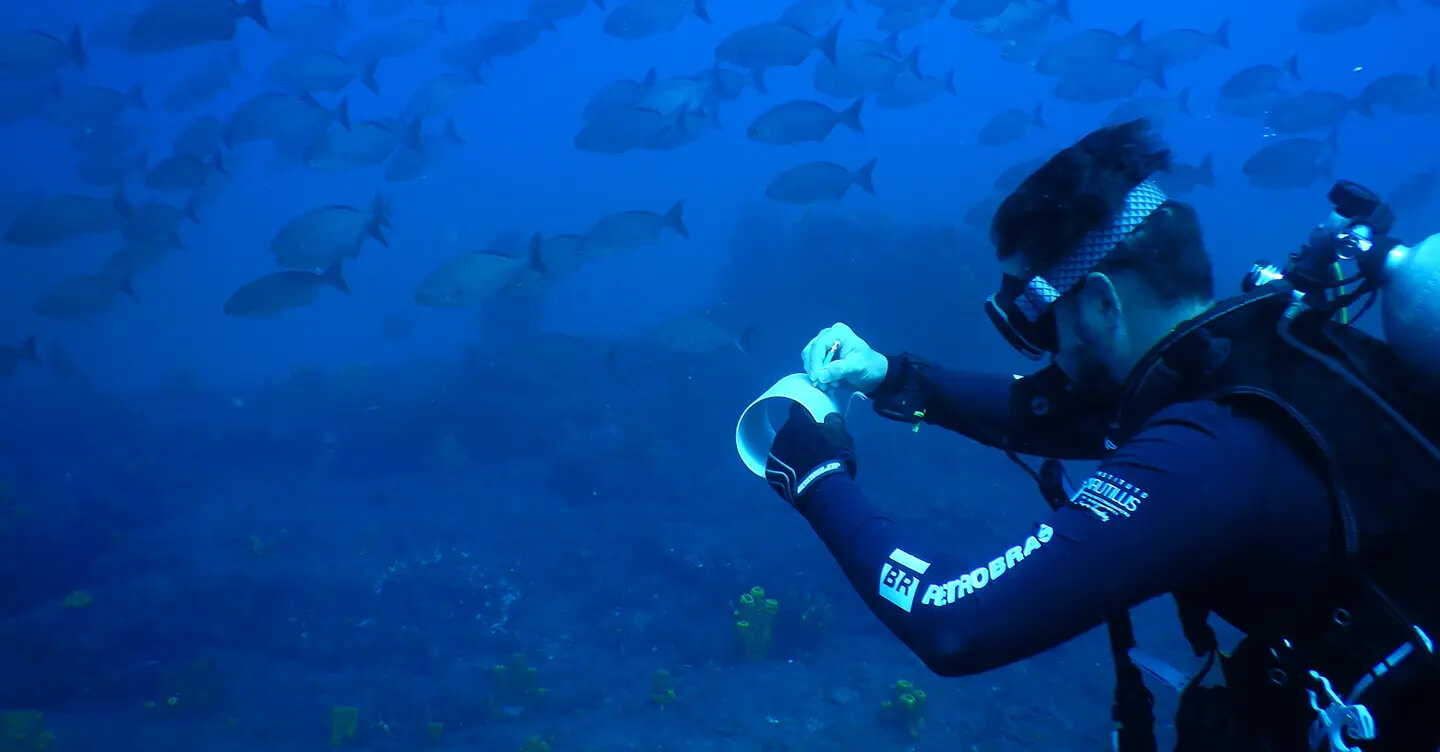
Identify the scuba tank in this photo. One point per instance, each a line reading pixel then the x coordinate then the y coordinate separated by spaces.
pixel 1406 279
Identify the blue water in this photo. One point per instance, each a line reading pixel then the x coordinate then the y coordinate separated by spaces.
pixel 224 528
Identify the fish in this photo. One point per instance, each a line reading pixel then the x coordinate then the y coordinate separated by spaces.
pixel 1009 126
pixel 912 14
pixel 802 120
pixel 1105 81
pixel 421 154
pixel 1309 111
pixel 1013 176
pixel 281 116
pixel 1258 79
pixel 978 10
pixel 154 221
pixel 1178 46
pixel 12 356
pixel 560 255
pixel 134 258
pixel 183 173
pixel 51 222
pixel 399 40
pixel 697 335
pixel 1255 105
pixel 1154 108
pixel 1181 179
pixel 638 19
pixel 1415 192
pixel 1292 163
pixel 980 213
pixel 1084 48
pixel 310 69
pixel 37 56
pixel 202 85
pixel 864 67
pixel 367 143
pixel 819 181
pixel 559 10
pixel 1398 92
pixel 23 101
pixel 508 39
pixel 1335 16
pixel 438 95
pixel 82 296
pixel 168 25
pixel 626 230
pixel 625 130
pixel 814 16
pixel 469 279
pixel 618 96
pixel 910 90
pixel 1023 19
pixel 774 45
pixel 91 106
pixel 317 238
pixel 278 292
pixel 200 138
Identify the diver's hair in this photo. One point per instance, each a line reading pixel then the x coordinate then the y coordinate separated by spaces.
pixel 1078 190
pixel 1167 252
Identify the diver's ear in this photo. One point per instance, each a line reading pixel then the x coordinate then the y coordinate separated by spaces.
pixel 1100 302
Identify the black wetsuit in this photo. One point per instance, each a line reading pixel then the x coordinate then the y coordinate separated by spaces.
pixel 1204 498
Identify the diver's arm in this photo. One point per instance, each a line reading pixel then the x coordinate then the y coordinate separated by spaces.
pixel 1154 517
pixel 1037 414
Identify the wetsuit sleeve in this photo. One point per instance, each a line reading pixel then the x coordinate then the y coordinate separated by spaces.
pixel 1183 499
pixel 1037 414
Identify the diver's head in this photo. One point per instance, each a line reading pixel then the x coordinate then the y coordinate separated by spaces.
pixel 1098 263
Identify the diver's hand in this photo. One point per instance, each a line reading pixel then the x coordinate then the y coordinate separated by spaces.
pixel 856 365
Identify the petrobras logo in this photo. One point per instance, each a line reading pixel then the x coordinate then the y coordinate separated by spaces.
pixel 900 578
pixel 1107 496
pixel 954 590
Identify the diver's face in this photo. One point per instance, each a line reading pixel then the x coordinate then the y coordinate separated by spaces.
pixel 1090 328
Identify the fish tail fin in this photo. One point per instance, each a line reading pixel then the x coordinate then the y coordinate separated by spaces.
pixel 757 80
pixel 379 209
pixel 912 62
pixel 533 258
pixel 123 207
pixel 830 41
pixel 865 177
pixel 441 24
pixel 1061 8
pixel 376 229
pixel 217 161
pixel 368 76
pixel 850 116
pixel 649 80
pixel 28 351
pixel 256 11
pixel 136 98
pixel 452 134
pixel 235 65
pixel 1037 118
pixel 1207 171
pixel 342 113
pixel 1182 101
pixel 1220 37
pixel 1292 66
pixel 1135 36
pixel 745 339
pixel 477 76
pixel 702 12
pixel 77 47
pixel 191 212
pixel 675 221
pixel 414 138
pixel 1155 71
pixel 948 83
pixel 714 118
pixel 891 44
pixel 126 284
pixel 331 276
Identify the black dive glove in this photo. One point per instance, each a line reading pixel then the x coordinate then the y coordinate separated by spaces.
pixel 805 451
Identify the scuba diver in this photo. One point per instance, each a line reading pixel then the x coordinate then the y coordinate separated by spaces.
pixel 1259 459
